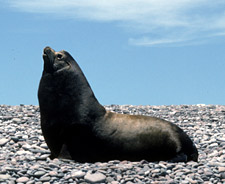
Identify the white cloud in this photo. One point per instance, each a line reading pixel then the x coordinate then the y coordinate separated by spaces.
pixel 172 21
pixel 145 41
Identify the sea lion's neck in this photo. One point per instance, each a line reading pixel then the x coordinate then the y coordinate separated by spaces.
pixel 85 102
pixel 87 106
pixel 71 96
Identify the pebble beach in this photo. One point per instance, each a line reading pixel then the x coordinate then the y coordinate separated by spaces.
pixel 24 155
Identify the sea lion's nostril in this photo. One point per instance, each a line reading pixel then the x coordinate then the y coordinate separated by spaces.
pixel 48 50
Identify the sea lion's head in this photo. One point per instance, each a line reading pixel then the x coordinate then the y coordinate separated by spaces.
pixel 64 90
pixel 55 62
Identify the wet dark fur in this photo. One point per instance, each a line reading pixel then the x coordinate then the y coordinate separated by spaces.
pixel 77 127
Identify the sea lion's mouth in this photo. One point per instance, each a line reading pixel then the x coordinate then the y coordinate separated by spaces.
pixel 46 58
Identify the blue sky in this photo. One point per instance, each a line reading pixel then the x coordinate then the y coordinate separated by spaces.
pixel 144 52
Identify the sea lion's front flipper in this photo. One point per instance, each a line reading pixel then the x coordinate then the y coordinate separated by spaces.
pixel 64 153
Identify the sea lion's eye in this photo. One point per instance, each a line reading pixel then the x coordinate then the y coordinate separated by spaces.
pixel 59 56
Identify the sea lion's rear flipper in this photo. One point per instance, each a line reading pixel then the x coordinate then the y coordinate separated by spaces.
pixel 64 153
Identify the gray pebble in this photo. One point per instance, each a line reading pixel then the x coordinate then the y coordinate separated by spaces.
pixel 3 141
pixel 77 174
pixel 45 179
pixel 22 180
pixel 16 120
pixel 39 173
pixel 222 175
pixel 4 176
pixel 221 169
pixel 95 178
pixel 114 182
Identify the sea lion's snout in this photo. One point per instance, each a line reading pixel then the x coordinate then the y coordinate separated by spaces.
pixel 49 57
pixel 48 51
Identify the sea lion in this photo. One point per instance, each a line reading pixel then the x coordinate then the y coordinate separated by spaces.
pixel 76 126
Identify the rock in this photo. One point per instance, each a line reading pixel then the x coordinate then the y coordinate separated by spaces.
pixel 213 145
pixel 3 141
pixel 222 175
pixel 77 174
pixel 144 171
pixel 221 169
pixel 109 179
pixel 129 182
pixel 53 173
pixel 114 182
pixel 22 180
pixel 16 120
pixel 45 179
pixel 95 178
pixel 39 173
pixel 22 152
pixel 4 176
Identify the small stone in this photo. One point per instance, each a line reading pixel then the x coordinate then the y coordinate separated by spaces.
pixel 4 176
pixel 3 141
pixel 221 139
pixel 22 180
pixel 43 157
pixel 30 114
pixel 184 182
pixel 162 165
pixel 191 180
pixel 44 145
pixel 16 120
pixel 109 179
pixel 114 182
pixel 78 174
pixel 129 182
pixel 45 179
pixel 213 164
pixel 213 145
pixel 222 176
pixel 31 182
pixel 53 173
pixel 39 173
pixel 22 152
pixel 52 165
pixel 118 177
pixel 208 174
pixel 15 139
pixel 95 178
pixel 221 169
pixel 156 171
